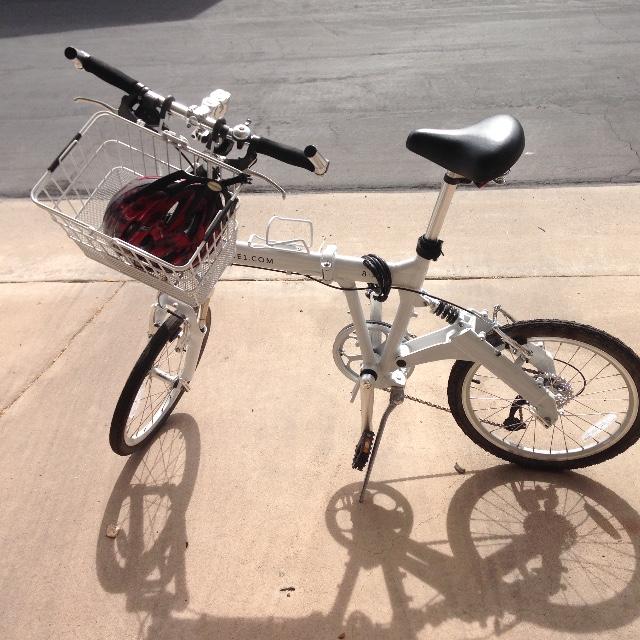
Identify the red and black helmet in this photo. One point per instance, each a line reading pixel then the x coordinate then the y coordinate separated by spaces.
pixel 167 217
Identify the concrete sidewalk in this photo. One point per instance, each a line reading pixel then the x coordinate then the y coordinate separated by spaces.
pixel 248 493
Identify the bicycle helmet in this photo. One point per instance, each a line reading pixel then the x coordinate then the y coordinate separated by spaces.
pixel 167 217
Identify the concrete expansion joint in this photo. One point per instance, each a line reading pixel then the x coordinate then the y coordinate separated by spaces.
pixel 34 380
pixel 446 277
pixel 67 281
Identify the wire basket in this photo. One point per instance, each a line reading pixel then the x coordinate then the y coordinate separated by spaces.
pixel 105 155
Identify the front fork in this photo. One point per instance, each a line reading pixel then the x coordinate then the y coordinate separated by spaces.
pixel 191 340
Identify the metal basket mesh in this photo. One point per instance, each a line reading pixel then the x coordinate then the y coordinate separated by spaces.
pixel 108 153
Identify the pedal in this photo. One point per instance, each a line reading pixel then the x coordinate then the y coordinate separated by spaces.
pixel 363 450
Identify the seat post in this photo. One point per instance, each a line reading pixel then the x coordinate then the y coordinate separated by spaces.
pixel 449 184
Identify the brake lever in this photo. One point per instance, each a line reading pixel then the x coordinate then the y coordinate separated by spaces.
pixel 94 101
pixel 273 183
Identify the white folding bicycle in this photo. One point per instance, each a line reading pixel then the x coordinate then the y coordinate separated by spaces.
pixel 542 393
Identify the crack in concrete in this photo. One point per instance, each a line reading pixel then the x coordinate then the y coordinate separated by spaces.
pixel 607 119
pixel 608 28
pixel 34 380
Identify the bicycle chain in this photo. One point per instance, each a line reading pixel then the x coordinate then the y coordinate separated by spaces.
pixel 433 405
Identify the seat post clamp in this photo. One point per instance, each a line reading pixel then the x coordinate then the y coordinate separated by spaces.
pixel 455 179
pixel 429 249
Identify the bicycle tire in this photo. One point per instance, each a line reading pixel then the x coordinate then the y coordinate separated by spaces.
pixel 166 334
pixel 586 453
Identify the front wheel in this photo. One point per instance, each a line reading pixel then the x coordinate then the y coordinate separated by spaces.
pixel 153 388
pixel 595 383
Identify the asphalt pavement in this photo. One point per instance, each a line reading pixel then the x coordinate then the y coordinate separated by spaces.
pixel 351 77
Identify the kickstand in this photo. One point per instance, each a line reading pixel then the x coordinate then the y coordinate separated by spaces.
pixel 396 398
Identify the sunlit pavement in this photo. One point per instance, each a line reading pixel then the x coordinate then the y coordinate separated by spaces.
pixel 241 519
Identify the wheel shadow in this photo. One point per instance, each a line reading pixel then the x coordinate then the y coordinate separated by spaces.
pixel 560 551
pixel 22 18
pixel 146 560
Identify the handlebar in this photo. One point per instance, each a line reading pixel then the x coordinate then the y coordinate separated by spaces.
pixel 281 152
pixel 309 158
pixel 105 72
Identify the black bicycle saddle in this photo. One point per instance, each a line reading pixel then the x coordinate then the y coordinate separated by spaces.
pixel 480 153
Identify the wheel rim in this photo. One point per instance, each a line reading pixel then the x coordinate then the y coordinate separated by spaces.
pixel 157 393
pixel 599 408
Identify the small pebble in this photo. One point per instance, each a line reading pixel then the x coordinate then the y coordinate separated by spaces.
pixel 112 530
pixel 459 469
pixel 342 635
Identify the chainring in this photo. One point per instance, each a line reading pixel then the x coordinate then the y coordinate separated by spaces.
pixel 346 349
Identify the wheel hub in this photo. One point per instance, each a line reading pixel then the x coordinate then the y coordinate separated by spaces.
pixel 561 388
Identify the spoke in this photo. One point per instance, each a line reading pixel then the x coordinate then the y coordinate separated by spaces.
pixel 614 375
pixel 591 424
pixel 150 401
pixel 147 400
pixel 491 415
pixel 490 408
pixel 497 429
pixel 591 408
pixel 564 435
pixel 595 393
pixel 568 362
pixel 524 432
pixel 535 424
pixel 578 371
pixel 597 374
pixel 495 396
pixel 579 428
pixel 560 343
pixel 597 413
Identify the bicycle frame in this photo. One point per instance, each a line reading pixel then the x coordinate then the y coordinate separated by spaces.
pixel 465 339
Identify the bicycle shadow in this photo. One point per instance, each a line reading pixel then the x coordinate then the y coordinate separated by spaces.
pixel 557 550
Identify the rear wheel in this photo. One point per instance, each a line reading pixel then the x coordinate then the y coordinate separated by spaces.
pixel 596 385
pixel 153 388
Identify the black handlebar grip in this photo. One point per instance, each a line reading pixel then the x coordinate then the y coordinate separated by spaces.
pixel 281 152
pixel 106 72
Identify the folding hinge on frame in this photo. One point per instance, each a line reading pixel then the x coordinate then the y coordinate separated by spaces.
pixel 327 261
